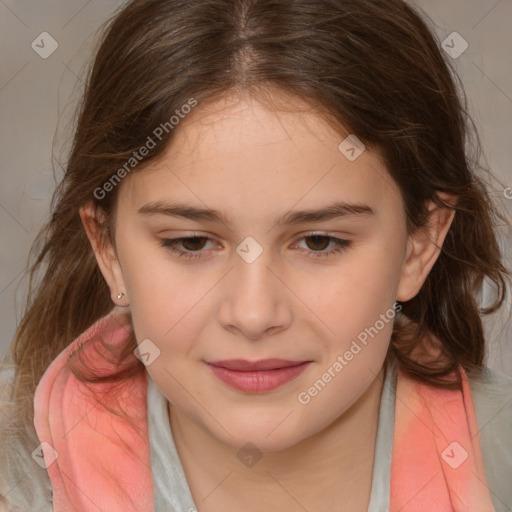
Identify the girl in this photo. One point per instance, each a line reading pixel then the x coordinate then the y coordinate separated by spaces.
pixel 260 276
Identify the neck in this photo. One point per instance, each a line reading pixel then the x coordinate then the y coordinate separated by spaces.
pixel 332 465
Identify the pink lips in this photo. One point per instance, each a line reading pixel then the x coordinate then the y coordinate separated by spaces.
pixel 257 376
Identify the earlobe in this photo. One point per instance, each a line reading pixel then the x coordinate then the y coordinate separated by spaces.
pixel 423 249
pixel 92 220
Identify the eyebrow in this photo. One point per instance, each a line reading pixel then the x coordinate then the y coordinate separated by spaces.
pixel 328 212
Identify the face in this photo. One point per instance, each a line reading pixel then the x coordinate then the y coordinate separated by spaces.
pixel 263 282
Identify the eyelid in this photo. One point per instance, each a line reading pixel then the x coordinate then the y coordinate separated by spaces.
pixel 198 234
pixel 340 245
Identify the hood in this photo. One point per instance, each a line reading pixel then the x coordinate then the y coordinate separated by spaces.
pixel 96 460
pixel 437 460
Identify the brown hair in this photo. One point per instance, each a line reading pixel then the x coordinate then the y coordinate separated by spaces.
pixel 373 68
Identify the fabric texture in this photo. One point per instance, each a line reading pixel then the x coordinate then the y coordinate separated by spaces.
pixel 492 393
pixel 171 489
pixel 437 455
pixel 24 486
pixel 96 460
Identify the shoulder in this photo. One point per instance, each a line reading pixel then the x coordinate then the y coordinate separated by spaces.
pixel 491 392
pixel 24 485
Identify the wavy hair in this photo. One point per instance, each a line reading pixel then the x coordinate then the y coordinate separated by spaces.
pixel 373 68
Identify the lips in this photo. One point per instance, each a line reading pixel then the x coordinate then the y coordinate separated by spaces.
pixel 257 376
pixel 241 365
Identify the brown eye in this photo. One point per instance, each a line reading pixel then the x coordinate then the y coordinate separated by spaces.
pixel 317 245
pixel 186 247
pixel 194 243
pixel 319 242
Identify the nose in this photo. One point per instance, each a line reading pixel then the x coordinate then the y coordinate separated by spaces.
pixel 255 303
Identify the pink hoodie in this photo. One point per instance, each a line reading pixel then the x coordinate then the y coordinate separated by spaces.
pixel 95 459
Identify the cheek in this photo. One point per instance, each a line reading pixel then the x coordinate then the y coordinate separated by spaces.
pixel 170 301
pixel 353 308
pixel 357 314
pixel 165 301
pixel 352 296
pixel 169 308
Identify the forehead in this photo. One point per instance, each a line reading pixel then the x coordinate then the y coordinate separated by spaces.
pixel 238 126
pixel 238 152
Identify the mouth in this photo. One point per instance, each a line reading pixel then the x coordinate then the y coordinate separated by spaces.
pixel 257 376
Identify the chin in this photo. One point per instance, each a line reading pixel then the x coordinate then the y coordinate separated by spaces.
pixel 268 435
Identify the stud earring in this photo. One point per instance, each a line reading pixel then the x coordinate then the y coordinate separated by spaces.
pixel 120 296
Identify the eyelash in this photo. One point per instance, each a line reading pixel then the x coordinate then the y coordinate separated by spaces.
pixel 172 243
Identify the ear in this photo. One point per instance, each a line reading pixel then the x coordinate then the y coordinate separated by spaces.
pixel 424 247
pixel 93 220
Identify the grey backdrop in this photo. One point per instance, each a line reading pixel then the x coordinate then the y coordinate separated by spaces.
pixel 45 44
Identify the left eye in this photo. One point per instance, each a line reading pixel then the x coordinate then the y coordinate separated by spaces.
pixel 193 245
pixel 323 241
pixel 196 242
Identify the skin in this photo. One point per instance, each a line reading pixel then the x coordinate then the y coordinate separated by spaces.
pixel 256 164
